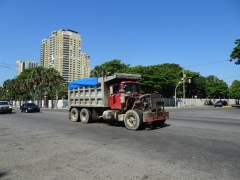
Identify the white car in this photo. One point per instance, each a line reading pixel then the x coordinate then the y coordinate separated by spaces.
pixel 5 107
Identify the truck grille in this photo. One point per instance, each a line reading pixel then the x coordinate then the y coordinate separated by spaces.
pixel 155 102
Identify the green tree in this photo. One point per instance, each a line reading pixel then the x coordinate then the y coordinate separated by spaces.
pixel 161 78
pixel 61 91
pixel 26 88
pixel 7 85
pixel 43 78
pixel 197 85
pixel 217 89
pixel 38 76
pixel 235 55
pixel 234 90
pixel 114 66
pixel 26 82
pixel 25 73
pixel 212 79
pixel 15 88
pixel 2 94
pixel 98 71
pixel 145 77
pixel 52 78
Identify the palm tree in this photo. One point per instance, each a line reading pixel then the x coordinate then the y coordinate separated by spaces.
pixel 18 91
pixel 15 89
pixel 2 93
pixel 212 79
pixel 52 78
pixel 7 86
pixel 98 71
pixel 26 87
pixel 38 76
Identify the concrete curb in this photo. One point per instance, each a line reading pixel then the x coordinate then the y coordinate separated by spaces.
pixel 226 106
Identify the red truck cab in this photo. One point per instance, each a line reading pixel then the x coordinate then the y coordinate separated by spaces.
pixel 120 93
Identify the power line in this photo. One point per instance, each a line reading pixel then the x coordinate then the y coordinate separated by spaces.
pixel 8 64
pixel 213 63
pixel 206 63
pixel 7 67
pixel 231 77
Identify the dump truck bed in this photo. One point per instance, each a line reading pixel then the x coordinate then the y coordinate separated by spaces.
pixel 89 96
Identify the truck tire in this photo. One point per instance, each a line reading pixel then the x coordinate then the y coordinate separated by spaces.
pixel 85 116
pixel 74 115
pixel 133 119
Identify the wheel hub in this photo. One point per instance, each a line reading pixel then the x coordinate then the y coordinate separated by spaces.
pixel 83 116
pixel 131 120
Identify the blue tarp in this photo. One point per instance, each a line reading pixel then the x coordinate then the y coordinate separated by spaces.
pixel 83 82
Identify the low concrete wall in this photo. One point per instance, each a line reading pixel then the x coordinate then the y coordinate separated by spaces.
pixel 56 103
pixel 170 102
pixel 180 102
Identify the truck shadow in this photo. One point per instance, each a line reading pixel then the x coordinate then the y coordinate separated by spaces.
pixel 149 126
pixel 2 174
pixel 8 113
pixel 145 126
pixel 236 106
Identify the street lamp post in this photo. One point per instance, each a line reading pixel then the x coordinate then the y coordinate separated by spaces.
pixel 176 93
pixel 183 81
pixel 35 91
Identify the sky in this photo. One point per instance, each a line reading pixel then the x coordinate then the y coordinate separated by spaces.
pixel 197 35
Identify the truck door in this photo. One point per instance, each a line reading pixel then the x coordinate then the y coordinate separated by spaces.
pixel 115 98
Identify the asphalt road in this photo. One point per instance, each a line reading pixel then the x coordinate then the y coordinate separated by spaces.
pixel 195 143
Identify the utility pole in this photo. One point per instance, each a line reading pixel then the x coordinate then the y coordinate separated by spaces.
pixel 56 98
pixel 35 86
pixel 183 81
pixel 176 93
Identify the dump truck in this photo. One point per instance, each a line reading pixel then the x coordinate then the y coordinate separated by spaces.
pixel 114 98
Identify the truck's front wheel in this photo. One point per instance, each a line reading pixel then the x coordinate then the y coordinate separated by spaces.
pixel 85 115
pixel 74 114
pixel 133 119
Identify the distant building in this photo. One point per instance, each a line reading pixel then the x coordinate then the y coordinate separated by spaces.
pixel 21 65
pixel 62 51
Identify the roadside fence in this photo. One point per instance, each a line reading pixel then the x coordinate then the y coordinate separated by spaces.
pixel 168 102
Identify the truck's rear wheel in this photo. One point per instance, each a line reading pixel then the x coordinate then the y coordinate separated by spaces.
pixel 133 119
pixel 85 115
pixel 74 114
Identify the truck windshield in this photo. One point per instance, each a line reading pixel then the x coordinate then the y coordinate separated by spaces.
pixel 132 88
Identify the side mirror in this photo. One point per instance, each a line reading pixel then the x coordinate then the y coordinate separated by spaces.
pixel 111 90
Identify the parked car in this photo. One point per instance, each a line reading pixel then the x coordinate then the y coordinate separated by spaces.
pixel 5 107
pixel 29 107
pixel 221 103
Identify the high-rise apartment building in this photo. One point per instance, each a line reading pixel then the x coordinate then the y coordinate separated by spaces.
pixel 21 65
pixel 62 51
pixel 44 53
